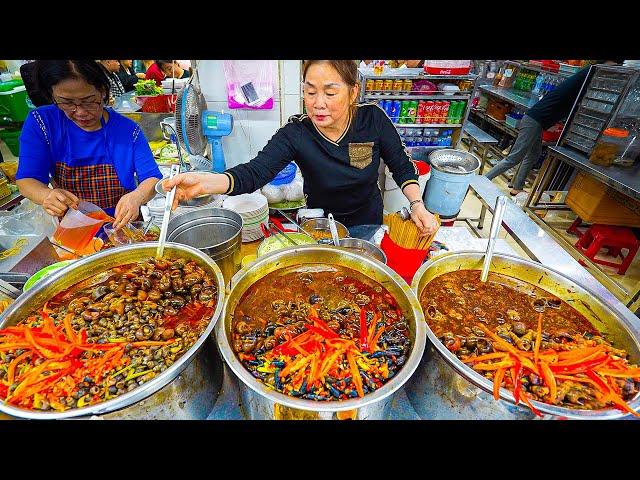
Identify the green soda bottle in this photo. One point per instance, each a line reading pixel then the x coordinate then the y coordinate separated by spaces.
pixel 404 111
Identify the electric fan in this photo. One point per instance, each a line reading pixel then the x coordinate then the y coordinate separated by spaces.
pixel 194 122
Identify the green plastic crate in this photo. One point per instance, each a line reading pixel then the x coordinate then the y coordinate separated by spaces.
pixel 12 139
pixel 13 104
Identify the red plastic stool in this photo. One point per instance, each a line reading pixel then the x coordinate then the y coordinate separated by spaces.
pixel 574 228
pixel 614 239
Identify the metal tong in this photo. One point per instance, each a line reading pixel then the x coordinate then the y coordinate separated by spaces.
pixel 276 231
pixel 496 223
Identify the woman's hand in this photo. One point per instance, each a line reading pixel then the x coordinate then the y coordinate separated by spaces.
pixel 57 201
pixel 424 220
pixel 127 209
pixel 190 185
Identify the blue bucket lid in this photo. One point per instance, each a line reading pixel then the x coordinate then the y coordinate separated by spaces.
pixel 286 175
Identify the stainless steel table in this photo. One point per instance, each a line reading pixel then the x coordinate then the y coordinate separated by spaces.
pixel 623 180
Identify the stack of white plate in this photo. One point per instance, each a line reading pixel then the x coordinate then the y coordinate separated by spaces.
pixel 253 209
pixel 156 207
pixel 632 64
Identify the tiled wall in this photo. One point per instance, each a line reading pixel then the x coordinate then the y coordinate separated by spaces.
pixel 252 129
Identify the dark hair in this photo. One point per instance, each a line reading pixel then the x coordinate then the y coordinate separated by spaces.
pixel 163 62
pixel 51 72
pixel 347 69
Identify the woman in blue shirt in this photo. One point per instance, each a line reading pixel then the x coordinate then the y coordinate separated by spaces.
pixel 85 150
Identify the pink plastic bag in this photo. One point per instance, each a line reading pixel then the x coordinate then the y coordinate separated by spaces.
pixel 249 84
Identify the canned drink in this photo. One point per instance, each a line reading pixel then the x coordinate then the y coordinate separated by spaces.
pixel 437 111
pixel 395 110
pixel 413 111
pixel 407 85
pixel 429 111
pixel 388 85
pixel 460 111
pixel 383 105
pixel 422 112
pixel 378 86
pixel 453 109
pixel 404 109
pixel 397 85
pixel 369 85
pixel 444 112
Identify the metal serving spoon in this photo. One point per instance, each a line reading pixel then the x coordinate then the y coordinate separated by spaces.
pixel 334 230
pixel 496 223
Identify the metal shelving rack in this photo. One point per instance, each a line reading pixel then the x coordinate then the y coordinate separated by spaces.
pixel 418 74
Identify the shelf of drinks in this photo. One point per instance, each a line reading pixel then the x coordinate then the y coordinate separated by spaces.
pixel 536 68
pixel 427 125
pixel 510 96
pixel 413 96
pixel 413 73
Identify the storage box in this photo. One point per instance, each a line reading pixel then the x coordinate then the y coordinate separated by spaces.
pixel 447 67
pixel 498 110
pixel 513 120
pixel 595 202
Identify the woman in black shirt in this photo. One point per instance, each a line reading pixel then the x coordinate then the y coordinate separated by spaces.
pixel 337 144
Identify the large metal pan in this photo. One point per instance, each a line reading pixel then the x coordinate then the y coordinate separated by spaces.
pixel 261 402
pixel 445 388
pixel 188 389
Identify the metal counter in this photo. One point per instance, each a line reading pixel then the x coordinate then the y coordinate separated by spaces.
pixel 543 248
pixel 626 180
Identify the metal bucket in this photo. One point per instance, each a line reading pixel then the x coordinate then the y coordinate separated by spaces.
pixel 217 232
pixel 445 388
pixel 261 402
pixel 186 390
pixel 451 172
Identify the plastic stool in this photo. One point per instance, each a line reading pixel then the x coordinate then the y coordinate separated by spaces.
pixel 614 239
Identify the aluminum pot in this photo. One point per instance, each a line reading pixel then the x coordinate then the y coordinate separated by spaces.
pixel 445 388
pixel 261 402
pixel 188 389
pixel 365 247
pixel 317 226
pixel 215 231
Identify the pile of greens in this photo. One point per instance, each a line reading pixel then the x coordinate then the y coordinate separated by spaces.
pixel 147 87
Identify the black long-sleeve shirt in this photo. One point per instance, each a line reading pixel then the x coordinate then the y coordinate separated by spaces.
pixel 339 176
pixel 556 105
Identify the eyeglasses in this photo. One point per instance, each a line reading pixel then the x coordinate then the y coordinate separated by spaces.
pixel 70 107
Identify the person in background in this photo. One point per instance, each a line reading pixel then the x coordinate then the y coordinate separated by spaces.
pixel 155 72
pixel 338 145
pixel 128 77
pixel 84 149
pixel 111 69
pixel 172 69
pixel 554 106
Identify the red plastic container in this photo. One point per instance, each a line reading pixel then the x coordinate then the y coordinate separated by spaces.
pixel 552 134
pixel 404 261
pixel 157 103
pixel 442 67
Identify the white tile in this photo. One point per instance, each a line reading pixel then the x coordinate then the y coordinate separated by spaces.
pixel 291 73
pixel 291 106
pixel 212 80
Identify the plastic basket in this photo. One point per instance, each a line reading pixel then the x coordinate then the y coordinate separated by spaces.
pixel 157 103
pixel 595 202
pixel 404 261
pixel 13 104
pixel 12 139
pixel 447 67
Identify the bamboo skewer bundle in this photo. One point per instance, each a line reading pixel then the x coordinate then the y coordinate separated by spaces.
pixel 405 234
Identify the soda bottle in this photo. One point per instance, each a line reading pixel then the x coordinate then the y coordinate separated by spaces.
pixel 453 108
pixel 397 85
pixel 370 83
pixel 447 138
pixel 460 111
pixel 444 113
pixel 383 105
pixel 413 111
pixel 421 118
pixel 395 110
pixel 404 111
pixel 428 111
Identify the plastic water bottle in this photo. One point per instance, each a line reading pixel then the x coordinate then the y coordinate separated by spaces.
pixel 447 138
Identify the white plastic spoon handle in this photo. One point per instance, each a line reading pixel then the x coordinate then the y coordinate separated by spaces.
pixel 334 230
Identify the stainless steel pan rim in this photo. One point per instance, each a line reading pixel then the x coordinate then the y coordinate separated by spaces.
pixel 103 261
pixel 309 254
pixel 506 395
